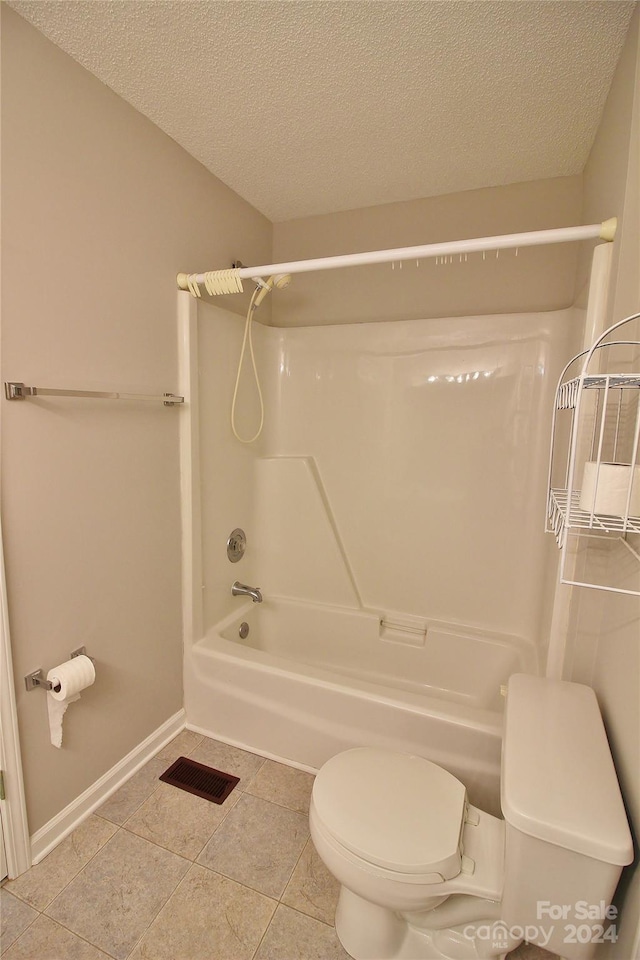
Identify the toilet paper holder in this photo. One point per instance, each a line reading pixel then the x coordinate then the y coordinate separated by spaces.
pixel 36 679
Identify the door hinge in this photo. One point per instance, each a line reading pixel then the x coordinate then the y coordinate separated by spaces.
pixel 2 796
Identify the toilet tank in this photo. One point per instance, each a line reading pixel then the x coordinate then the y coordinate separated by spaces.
pixel 567 836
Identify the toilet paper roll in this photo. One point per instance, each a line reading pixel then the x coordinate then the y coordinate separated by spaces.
pixel 605 488
pixel 68 680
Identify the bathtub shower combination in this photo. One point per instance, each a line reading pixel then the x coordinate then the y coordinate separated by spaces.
pixel 308 680
pixel 393 512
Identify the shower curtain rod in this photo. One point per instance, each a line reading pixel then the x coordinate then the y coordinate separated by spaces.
pixel 230 281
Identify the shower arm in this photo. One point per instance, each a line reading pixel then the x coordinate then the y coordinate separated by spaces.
pixel 230 281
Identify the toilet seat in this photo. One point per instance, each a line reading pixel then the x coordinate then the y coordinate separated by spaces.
pixel 395 811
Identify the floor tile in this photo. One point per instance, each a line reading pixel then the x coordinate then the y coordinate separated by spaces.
pixel 228 759
pixel 15 917
pixel 293 936
pixel 116 896
pixel 258 844
pixel 124 880
pixel 531 951
pixel 178 820
pixel 180 746
pixel 207 917
pixel 39 885
pixel 47 940
pixel 312 889
pixel 284 785
pixel 131 795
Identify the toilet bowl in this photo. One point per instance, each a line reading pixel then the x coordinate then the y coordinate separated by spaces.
pixel 424 875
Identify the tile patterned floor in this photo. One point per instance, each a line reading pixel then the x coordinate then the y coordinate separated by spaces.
pixel 159 874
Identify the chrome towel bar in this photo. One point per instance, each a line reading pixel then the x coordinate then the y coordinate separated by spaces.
pixel 18 391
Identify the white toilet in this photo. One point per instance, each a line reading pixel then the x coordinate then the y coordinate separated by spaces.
pixel 424 875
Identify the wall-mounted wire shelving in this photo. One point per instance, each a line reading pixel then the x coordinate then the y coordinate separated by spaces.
pixel 594 470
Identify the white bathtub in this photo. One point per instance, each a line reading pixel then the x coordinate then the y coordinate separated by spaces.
pixel 310 680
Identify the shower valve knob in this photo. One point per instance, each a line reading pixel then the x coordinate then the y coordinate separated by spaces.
pixel 236 545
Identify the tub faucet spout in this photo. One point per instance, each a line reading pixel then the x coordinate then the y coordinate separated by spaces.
pixel 242 590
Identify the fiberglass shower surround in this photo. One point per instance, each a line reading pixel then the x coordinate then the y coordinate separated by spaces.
pixel 398 595
pixel 354 638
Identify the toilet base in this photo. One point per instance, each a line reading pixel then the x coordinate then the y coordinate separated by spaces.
pixel 370 932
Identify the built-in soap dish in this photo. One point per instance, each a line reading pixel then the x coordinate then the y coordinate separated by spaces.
pixel 403 628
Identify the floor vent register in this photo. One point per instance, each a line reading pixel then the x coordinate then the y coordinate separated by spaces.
pixel 199 779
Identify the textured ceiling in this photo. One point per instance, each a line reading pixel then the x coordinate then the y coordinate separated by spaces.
pixel 314 106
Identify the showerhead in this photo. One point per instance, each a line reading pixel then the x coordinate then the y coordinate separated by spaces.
pixel 280 280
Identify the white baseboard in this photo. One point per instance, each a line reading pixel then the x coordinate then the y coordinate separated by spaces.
pixel 250 749
pixel 53 832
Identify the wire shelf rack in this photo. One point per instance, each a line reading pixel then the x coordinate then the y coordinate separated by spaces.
pixel 568 392
pixel 594 469
pixel 563 511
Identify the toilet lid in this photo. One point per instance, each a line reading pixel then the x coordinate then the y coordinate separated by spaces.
pixel 397 811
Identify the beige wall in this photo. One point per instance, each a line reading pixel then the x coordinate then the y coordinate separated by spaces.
pixel 604 647
pixel 100 210
pixel 539 278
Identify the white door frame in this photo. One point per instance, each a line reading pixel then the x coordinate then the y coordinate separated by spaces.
pixel 13 810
